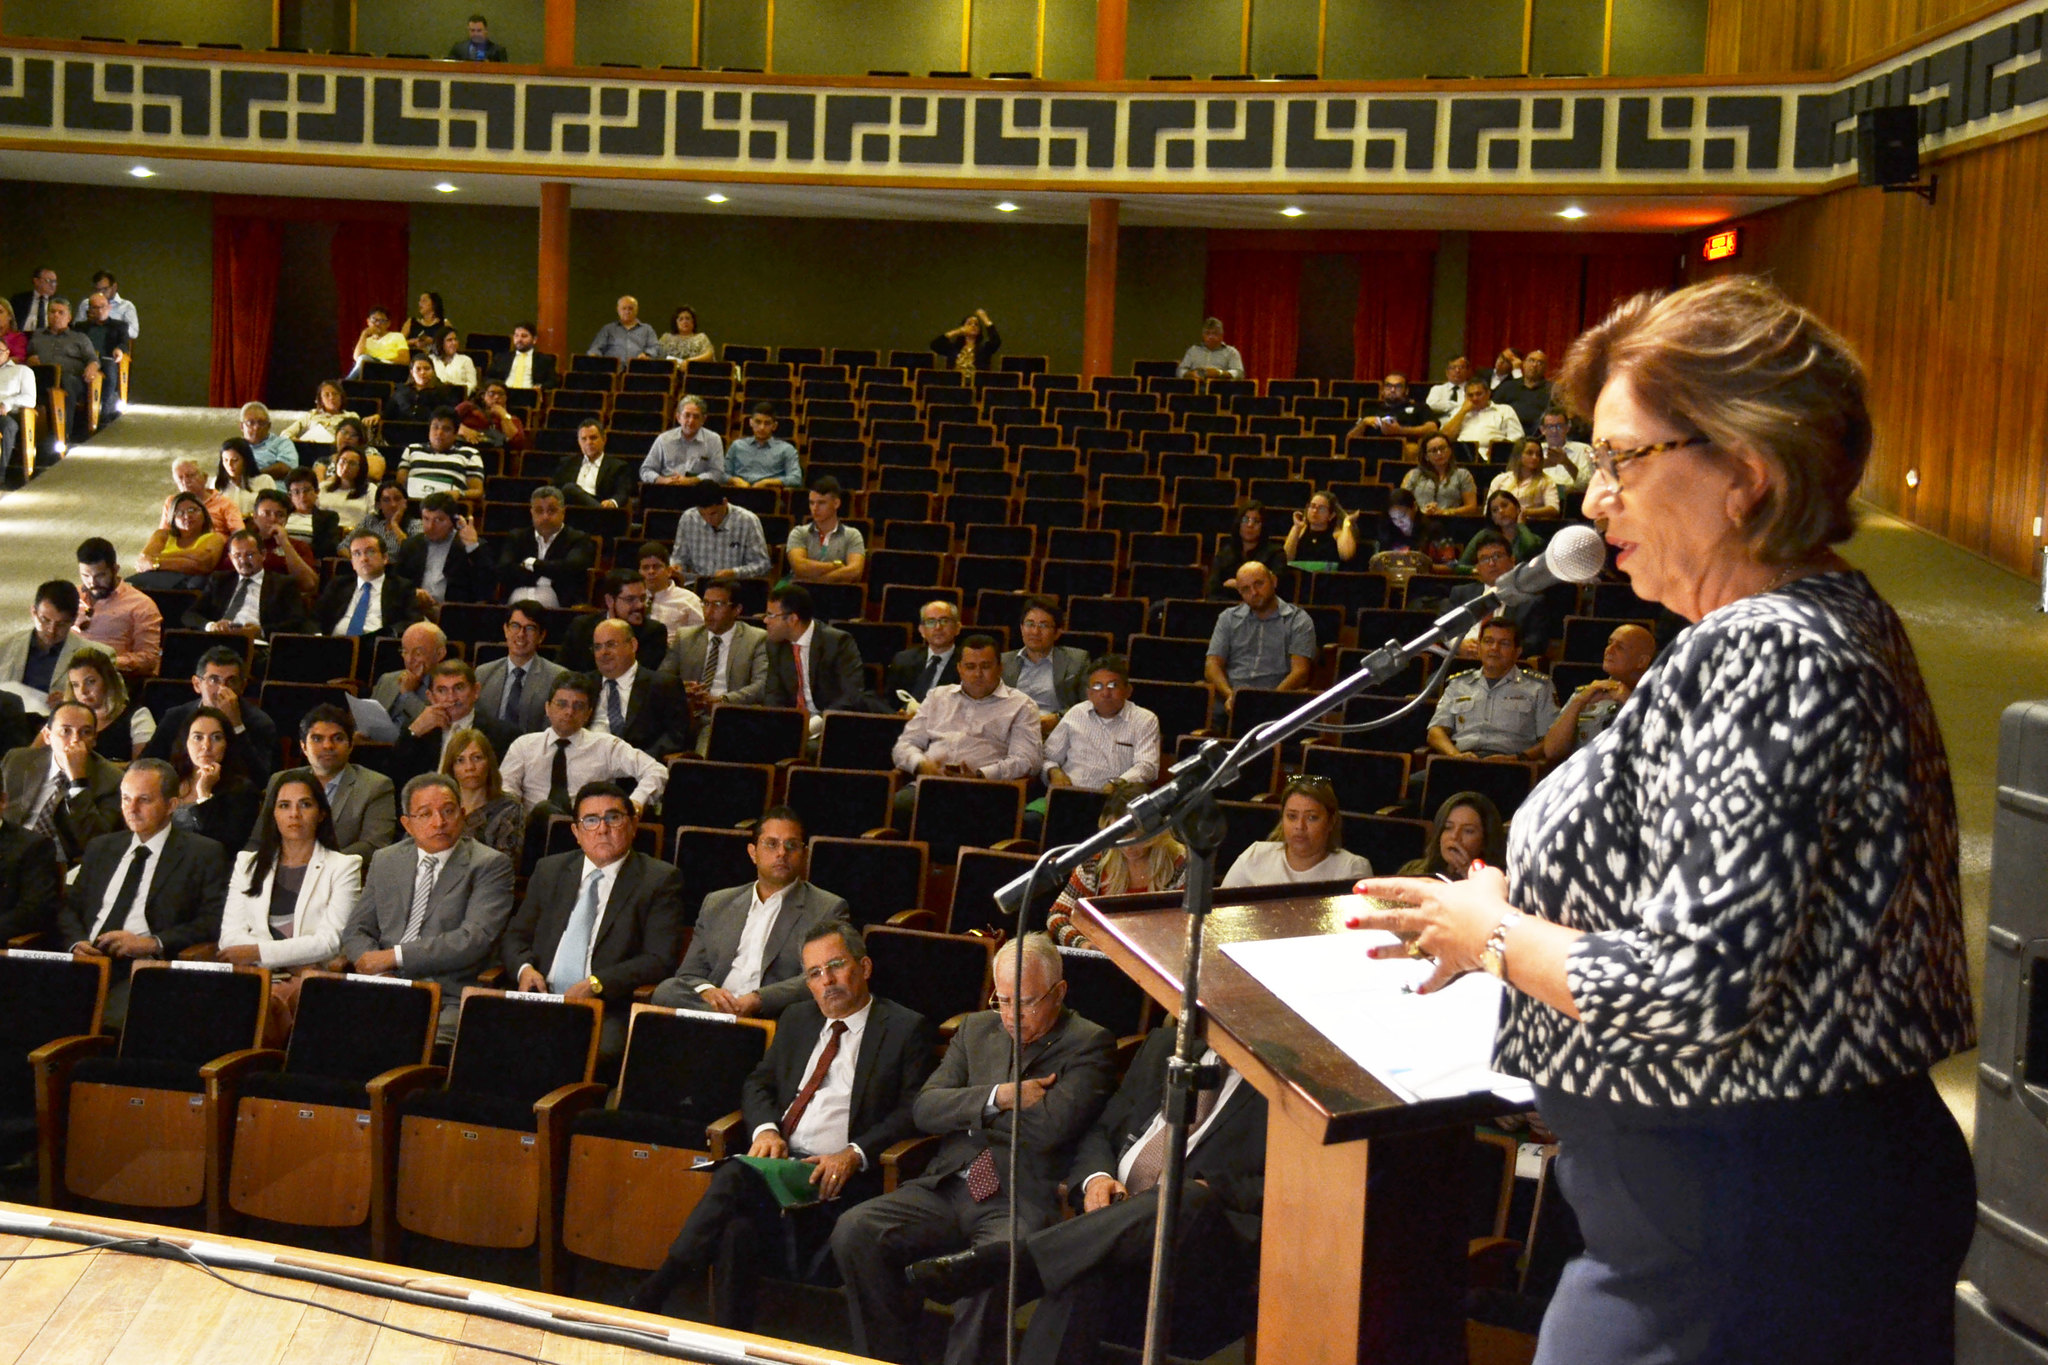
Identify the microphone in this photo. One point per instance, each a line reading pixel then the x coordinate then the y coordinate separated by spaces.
pixel 1576 554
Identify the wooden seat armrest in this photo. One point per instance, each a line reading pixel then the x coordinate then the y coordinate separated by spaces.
pixel 888 832
pixel 914 919
pixel 906 1160
pixel 951 1026
pixel 235 1065
pixel 200 952
pixel 1127 1051
pixel 52 1063
pixel 719 1134
pixel 1016 846
pixel 643 995
pixel 561 1105
pixel 492 976
pixel 28 940
pixel 389 1087
pixel 65 1053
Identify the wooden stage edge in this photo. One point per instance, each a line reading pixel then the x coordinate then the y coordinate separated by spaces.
pixel 107 1304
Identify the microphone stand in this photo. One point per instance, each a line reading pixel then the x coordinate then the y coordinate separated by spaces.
pixel 1187 803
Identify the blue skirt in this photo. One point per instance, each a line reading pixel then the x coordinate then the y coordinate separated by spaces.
pixel 1807 1232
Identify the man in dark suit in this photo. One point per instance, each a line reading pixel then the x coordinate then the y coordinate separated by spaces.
pixel 1091 1266
pixel 1070 1070
pixel 516 688
pixel 363 802
pixel 152 891
pixel 833 676
pixel 600 923
pixel 634 702
pixel 836 1098
pixel 624 595
pixel 746 957
pixel 918 670
pixel 447 558
pixel 468 889
pixel 1052 674
pixel 62 789
pixel 31 885
pixel 31 305
pixel 549 562
pixel 247 599
pixel 220 680
pixel 523 367
pixel 593 478
pixel 371 601
pixel 451 706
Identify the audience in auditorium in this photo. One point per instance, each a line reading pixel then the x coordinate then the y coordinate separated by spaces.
pixel 1053 675
pixel 548 561
pixel 62 788
pixel 362 802
pixel 668 601
pixel 1443 399
pixel 720 539
pixel 1496 710
pixel 1307 845
pixel 32 305
pixel 1442 486
pixel 1398 413
pixel 687 452
pixel 1525 477
pixel 349 492
pixel 1569 463
pixel 478 47
pixel 1630 651
pixel 487 420
pixel 723 660
pixel 634 702
pixel 811 666
pixel 222 511
pixel 826 549
pixel 309 522
pixel 1249 544
pixel 402 692
pixel 17 394
pixel 628 339
pixel 915 672
pixel 221 680
pixel 1262 642
pixel 977 727
pixel 746 954
pixel 834 1089
pixel 77 362
pixel 1106 739
pixel 623 595
pixel 455 370
pixel 441 465
pixel 183 553
pixel 121 728
pixel 1467 826
pixel 392 520
pixel 218 795
pixel 493 816
pixel 971 346
pixel 427 326
pixel 373 601
pixel 108 288
pixel 523 367
pixel 515 688
pixel 421 396
pixel 1479 421
pixel 599 923
pixel 1507 365
pixel 37 655
pixel 109 340
pixel 330 409
pixel 1159 863
pixel 593 478
pixel 544 767
pixel 433 904
pixel 682 342
pixel 269 516
pixel 446 711
pixel 1323 536
pixel 236 479
pixel 117 616
pixel 246 599
pixel 761 459
pixel 378 343
pixel 1209 358
pixel 150 892
pixel 271 453
pixel 1069 1073
pixel 448 559
pixel 1504 523
pixel 1528 393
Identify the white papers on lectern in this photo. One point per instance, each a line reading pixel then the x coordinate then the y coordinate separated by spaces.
pixel 1421 1047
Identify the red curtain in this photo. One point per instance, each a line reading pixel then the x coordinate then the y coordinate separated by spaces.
pixel 1390 330
pixel 1524 298
pixel 371 260
pixel 1257 295
pixel 247 254
pixel 1612 278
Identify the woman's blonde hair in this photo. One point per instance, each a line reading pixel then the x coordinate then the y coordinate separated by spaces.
pixel 1739 363
pixel 461 742
pixel 1165 858
pixel 111 681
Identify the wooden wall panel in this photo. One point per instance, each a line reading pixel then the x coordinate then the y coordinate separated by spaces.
pixel 1943 304
pixel 1747 36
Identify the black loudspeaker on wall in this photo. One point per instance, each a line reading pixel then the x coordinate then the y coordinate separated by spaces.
pixel 1888 145
pixel 2002 1307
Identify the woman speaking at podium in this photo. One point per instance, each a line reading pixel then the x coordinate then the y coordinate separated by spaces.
pixel 1730 923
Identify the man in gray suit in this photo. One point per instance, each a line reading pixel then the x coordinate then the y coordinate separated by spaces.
pixel 747 955
pixel 364 803
pixel 515 689
pixel 434 904
pixel 39 656
pixel 725 659
pixel 1070 1072
pixel 62 789
pixel 1052 674
pixel 403 691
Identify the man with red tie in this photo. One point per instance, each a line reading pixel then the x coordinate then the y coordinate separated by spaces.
pixel 810 664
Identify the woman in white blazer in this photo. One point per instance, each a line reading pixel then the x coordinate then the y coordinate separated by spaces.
pixel 290 895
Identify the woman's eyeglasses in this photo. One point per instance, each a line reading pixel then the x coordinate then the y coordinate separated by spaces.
pixel 1609 462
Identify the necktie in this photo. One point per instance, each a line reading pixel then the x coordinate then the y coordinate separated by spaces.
pixel 558 779
pixel 360 617
pixel 797 651
pixel 710 673
pixel 422 892
pixel 982 1182
pixel 614 714
pixel 1151 1158
pixel 794 1114
pixel 932 666
pixel 240 599
pixel 46 818
pixel 116 915
pixel 574 949
pixel 514 695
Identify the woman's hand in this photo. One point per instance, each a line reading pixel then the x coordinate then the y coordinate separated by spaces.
pixel 204 775
pixel 1448 921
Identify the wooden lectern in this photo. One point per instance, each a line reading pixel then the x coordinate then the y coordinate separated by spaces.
pixel 1363 1248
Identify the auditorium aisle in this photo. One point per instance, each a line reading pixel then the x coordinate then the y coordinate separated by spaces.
pixel 114 486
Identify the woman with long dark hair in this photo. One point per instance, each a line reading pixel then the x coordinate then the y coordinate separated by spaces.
pixel 1467 828
pixel 217 795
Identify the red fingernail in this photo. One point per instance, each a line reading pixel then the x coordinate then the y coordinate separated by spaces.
pixel 1479 862
pixel 1351 923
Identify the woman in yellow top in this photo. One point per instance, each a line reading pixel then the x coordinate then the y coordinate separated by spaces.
pixel 182 554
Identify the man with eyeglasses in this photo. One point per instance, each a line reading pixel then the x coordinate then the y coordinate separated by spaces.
pixel 450 708
pixel 1398 413
pixel 1443 399
pixel 1053 675
pixel 723 660
pixel 1106 739
pixel 746 956
pixel 810 664
pixel 915 672
pixel 599 923
pixel 981 727
pixel 625 597
pixel 1480 421
pixel 961 1202
pixel 1569 463
pixel 835 1091
pixel 543 768
pixel 515 688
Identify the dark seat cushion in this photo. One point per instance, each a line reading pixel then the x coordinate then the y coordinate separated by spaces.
pixel 138 1073
pixel 477 1110
pixel 632 1125
pixel 297 1089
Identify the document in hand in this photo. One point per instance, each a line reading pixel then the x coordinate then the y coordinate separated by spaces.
pixel 1421 1046
pixel 788 1180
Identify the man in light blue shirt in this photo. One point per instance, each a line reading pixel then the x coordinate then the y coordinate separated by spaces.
pixel 627 339
pixel 687 451
pixel 762 459
pixel 1212 359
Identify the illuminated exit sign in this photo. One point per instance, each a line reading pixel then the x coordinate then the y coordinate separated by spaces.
pixel 1722 246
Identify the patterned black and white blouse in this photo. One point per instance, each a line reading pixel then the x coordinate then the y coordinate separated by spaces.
pixel 1761 850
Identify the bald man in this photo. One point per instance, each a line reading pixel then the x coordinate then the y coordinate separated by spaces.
pixel 403 691
pixel 635 703
pixel 628 338
pixel 1630 652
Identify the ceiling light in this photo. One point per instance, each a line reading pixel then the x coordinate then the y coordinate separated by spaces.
pixel 445 188
pixel 1006 207
pixel 714 199
pixel 1573 212
pixel 141 172
pixel 1292 211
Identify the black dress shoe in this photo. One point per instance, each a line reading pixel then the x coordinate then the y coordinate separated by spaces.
pixel 949 1278
pixel 652 1295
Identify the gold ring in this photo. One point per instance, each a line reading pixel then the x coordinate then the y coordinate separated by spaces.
pixel 1415 948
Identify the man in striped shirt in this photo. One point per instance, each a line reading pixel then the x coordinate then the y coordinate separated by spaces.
pixel 441 466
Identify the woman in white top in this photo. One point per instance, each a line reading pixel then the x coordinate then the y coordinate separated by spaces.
pixel 290 896
pixel 329 410
pixel 1531 484
pixel 1306 846
pixel 451 366
pixel 236 477
pixel 349 491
